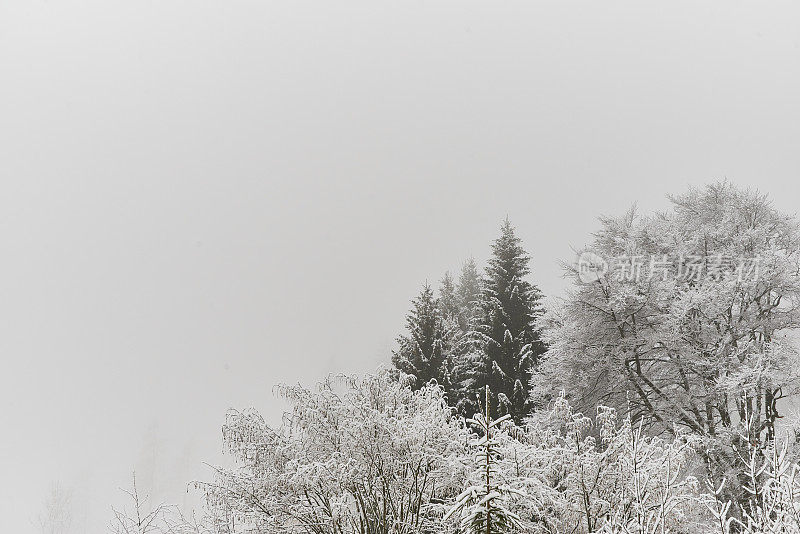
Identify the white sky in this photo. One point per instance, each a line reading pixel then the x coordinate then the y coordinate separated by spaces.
pixel 201 199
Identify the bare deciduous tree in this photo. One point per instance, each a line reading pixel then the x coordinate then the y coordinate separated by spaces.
pixel 143 518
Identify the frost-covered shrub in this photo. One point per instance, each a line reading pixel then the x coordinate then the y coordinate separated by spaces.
pixel 772 487
pixel 370 455
pixel 357 455
pixel 584 474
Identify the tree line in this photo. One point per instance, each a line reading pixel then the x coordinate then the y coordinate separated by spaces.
pixel 684 327
pixel 648 399
pixel 477 331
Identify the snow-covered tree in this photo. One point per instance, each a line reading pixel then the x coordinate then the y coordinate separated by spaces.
pixel 506 330
pixel 468 295
pixel 466 359
pixel 772 503
pixel 424 350
pixel 483 506
pixel 448 298
pixel 572 473
pixel 684 328
pixel 457 316
pixel 596 475
pixel 357 455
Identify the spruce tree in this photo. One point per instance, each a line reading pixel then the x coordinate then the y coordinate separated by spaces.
pixel 448 298
pixel 454 338
pixel 467 359
pixel 423 351
pixel 483 507
pixel 468 295
pixel 506 331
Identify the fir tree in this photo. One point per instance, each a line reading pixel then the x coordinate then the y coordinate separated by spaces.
pixel 506 331
pixel 455 341
pixel 449 302
pixel 483 507
pixel 465 359
pixel 468 294
pixel 423 351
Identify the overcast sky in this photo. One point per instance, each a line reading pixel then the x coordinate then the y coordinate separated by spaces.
pixel 200 199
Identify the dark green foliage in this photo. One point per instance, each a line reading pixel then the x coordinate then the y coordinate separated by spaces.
pixel 448 298
pixel 506 331
pixel 468 295
pixel 478 332
pixel 459 304
pixel 423 350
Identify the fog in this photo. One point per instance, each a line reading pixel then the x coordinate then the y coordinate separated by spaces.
pixel 202 199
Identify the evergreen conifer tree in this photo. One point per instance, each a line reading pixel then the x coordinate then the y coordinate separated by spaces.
pixel 454 338
pixel 467 359
pixel 468 294
pixel 506 331
pixel 483 507
pixel 448 298
pixel 424 349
